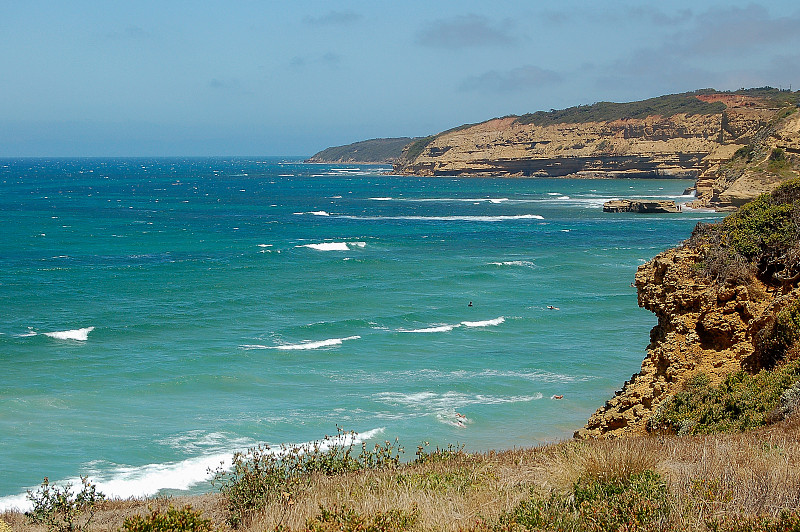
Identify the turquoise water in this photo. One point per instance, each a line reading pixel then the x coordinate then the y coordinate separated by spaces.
pixel 159 314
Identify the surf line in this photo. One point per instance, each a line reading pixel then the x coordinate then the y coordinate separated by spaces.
pixel 448 328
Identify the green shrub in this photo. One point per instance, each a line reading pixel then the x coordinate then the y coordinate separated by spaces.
pixel 777 161
pixel 454 479
pixel 639 502
pixel 444 454
pixel 61 510
pixel 745 152
pixel 786 521
pixel 774 340
pixel 263 475
pixel 173 520
pixel 741 402
pixel 762 236
pixel 345 519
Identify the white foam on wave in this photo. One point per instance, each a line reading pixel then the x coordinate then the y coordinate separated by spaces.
pixel 525 263
pixel 381 199
pixel 438 402
pixel 434 329
pixel 320 213
pixel 74 334
pixel 477 218
pixel 456 200
pixel 448 327
pixel 316 345
pixel 145 481
pixel 485 323
pixel 303 345
pixel 428 375
pixel 334 246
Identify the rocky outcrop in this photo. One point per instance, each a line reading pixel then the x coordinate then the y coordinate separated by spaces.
pixel 648 139
pixel 678 146
pixel 748 173
pixel 640 206
pixel 702 327
pixel 660 144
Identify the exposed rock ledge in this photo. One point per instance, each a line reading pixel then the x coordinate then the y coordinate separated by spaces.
pixel 701 327
pixel 640 206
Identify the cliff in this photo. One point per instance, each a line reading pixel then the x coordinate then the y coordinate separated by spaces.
pixel 717 299
pixel 374 151
pixel 691 135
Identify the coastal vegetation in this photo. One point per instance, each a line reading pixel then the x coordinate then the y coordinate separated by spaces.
pixel 665 106
pixel 373 151
pixel 724 482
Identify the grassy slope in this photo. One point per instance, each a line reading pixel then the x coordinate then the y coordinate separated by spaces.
pixel 382 151
pixel 644 483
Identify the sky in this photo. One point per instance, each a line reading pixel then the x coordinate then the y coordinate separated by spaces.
pixel 258 78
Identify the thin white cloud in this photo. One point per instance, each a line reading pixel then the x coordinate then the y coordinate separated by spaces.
pixel 327 59
pixel 734 30
pixel 465 31
pixel 515 80
pixel 333 18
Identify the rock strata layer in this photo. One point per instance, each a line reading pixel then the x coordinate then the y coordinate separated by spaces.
pixel 702 327
pixel 698 145
pixel 640 206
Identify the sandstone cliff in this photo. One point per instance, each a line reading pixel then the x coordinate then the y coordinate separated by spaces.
pixel 690 135
pixel 717 299
pixel 749 171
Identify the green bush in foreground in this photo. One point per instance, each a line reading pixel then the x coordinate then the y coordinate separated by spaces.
pixel 784 522
pixel 173 520
pixel 61 510
pixel 348 520
pixel 762 237
pixel 741 402
pixel 263 475
pixel 639 502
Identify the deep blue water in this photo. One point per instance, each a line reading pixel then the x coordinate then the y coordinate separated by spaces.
pixel 158 314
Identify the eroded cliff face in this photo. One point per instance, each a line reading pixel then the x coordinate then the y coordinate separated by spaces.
pixel 702 327
pixel 678 146
pixel 700 146
pixel 732 183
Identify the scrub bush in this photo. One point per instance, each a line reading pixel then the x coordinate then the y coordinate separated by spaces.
pixel 61 510
pixel 173 520
pixel 638 502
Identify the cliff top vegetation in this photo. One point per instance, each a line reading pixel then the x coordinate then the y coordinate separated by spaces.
pixel 665 106
pixel 386 150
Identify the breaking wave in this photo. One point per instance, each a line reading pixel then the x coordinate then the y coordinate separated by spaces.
pixel 75 334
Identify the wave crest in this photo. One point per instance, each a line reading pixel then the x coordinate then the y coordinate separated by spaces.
pixel 74 334
pixel 303 345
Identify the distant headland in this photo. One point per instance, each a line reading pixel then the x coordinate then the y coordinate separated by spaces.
pixel 374 151
pixel 735 144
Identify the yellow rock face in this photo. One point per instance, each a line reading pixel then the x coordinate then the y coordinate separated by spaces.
pixel 681 145
pixel 702 327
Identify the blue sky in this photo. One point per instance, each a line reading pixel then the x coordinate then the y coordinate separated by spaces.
pixel 125 78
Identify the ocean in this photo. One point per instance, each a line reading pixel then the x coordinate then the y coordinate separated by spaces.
pixel 159 314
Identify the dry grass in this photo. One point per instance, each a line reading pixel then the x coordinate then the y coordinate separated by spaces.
pixel 755 473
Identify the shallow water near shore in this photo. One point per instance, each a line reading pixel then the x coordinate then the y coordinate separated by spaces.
pixel 160 314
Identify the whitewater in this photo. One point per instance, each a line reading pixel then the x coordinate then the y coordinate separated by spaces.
pixel 160 314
